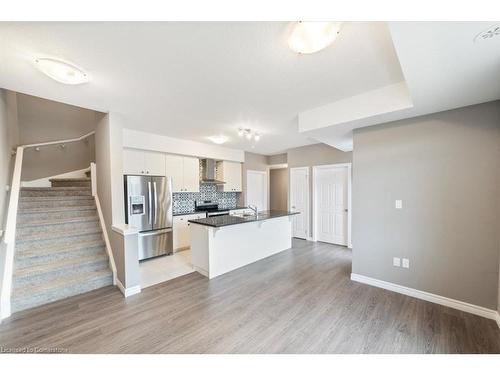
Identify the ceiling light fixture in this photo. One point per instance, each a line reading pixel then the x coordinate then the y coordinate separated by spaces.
pixel 61 71
pixel 310 37
pixel 218 139
pixel 249 134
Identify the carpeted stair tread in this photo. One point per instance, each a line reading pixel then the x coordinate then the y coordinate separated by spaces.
pixel 58 221
pixel 25 297
pixel 55 265
pixel 52 249
pixel 58 188
pixel 80 179
pixel 56 198
pixel 51 235
pixel 36 210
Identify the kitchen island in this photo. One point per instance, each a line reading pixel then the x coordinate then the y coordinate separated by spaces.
pixel 221 244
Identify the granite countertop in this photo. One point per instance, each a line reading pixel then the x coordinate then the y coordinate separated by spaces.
pixel 223 221
pixel 202 212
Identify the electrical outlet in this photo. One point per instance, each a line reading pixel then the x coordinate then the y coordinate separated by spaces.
pixel 399 204
pixel 406 263
pixel 396 262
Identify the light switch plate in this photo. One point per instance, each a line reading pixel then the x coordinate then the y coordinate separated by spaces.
pixel 396 262
pixel 399 204
pixel 406 263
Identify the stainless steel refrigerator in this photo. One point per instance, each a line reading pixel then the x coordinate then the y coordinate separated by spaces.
pixel 148 207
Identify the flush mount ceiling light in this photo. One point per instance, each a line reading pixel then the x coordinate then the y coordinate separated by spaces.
pixel 249 134
pixel 492 31
pixel 310 37
pixel 218 139
pixel 61 71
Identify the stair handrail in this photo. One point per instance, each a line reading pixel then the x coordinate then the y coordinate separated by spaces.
pixel 50 143
pixel 9 237
pixel 109 250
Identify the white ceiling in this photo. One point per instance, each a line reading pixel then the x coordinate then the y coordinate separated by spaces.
pixel 194 80
pixel 444 68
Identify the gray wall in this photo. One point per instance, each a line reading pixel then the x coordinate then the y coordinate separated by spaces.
pixel 317 154
pixel 278 189
pixel 41 120
pixel 277 159
pixel 54 160
pixel 445 168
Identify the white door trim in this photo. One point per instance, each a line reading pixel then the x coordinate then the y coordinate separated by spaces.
pixel 308 209
pixel 266 189
pixel 315 168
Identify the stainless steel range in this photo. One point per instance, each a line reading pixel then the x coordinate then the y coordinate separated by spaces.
pixel 210 208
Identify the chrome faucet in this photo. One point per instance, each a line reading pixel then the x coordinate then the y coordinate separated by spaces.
pixel 254 209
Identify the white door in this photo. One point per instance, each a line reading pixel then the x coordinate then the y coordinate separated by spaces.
pixel 299 201
pixel 331 204
pixel 257 189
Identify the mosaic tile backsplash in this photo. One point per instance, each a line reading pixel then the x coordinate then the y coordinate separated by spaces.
pixel 184 202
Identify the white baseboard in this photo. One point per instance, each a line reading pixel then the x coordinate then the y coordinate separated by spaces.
pixel 498 319
pixel 127 292
pixel 453 303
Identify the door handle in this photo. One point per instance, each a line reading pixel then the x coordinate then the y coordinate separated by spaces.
pixel 155 232
pixel 156 201
pixel 150 213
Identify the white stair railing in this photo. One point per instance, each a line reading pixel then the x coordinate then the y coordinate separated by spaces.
pixel 9 237
pixel 109 251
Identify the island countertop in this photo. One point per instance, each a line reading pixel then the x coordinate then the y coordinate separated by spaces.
pixel 223 221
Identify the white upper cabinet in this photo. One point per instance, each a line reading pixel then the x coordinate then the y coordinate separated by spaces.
pixel 133 161
pixel 185 173
pixel 191 174
pixel 175 169
pixel 143 162
pixel 230 173
pixel 154 163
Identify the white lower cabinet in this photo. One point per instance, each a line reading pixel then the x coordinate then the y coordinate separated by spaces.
pixel 181 230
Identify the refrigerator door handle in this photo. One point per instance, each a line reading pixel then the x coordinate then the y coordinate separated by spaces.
pixel 155 232
pixel 156 202
pixel 150 203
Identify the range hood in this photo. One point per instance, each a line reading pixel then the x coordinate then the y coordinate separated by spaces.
pixel 208 172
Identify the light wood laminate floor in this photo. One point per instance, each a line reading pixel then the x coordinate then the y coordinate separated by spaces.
pixel 299 301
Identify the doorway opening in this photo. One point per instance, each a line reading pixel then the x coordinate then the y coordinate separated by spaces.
pixel 278 187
